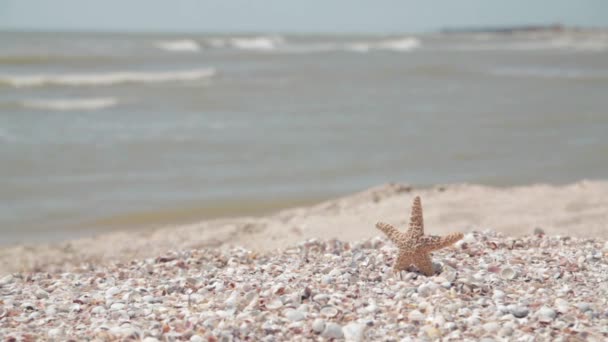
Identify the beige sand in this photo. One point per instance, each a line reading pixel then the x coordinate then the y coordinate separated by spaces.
pixel 579 209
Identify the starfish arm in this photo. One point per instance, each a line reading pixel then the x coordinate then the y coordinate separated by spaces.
pixel 433 242
pixel 404 260
pixel 424 264
pixel 416 221
pixel 393 234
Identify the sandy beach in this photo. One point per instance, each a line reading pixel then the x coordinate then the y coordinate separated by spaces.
pixel 579 210
pixel 532 266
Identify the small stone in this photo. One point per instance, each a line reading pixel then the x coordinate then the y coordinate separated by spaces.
pixel 112 291
pixel 333 330
pixel 326 279
pixel 293 315
pixel 6 279
pixel 117 306
pixel 432 332
pixel 416 315
pixel 546 314
pixel 354 332
pixel 148 299
pixel 196 338
pixel 583 306
pixel 54 333
pixel 98 310
pixel 498 295
pixel 41 294
pixel 50 310
pixel 505 331
pixel 561 305
pixel 519 311
pixel 469 238
pixel 491 327
pixel 318 325
pixel 427 289
pixel 274 304
pixel 153 339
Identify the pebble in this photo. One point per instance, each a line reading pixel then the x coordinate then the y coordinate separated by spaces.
pixel 546 314
pixel 98 310
pixel 112 291
pixel 41 294
pixel 519 311
pixel 55 333
pixel 491 327
pixel 293 315
pixel 416 315
pixel 354 332
pixel 117 306
pixel 332 330
pixel 432 332
pixel 583 306
pixel 274 304
pixel 6 279
pixel 318 325
pixel 562 305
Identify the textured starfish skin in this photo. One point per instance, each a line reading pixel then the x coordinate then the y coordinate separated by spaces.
pixel 414 246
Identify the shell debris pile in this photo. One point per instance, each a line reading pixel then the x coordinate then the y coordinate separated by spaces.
pixel 487 287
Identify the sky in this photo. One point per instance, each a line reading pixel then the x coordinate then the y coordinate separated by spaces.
pixel 302 16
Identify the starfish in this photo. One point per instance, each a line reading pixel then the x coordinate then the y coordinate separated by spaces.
pixel 414 246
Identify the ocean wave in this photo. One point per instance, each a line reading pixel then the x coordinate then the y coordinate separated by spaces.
pixel 71 104
pixel 401 45
pixel 182 45
pixel 256 43
pixel 104 79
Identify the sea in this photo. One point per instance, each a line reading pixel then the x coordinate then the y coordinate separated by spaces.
pixel 109 131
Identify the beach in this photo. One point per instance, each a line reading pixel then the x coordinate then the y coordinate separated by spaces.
pixel 577 210
pixel 533 264
pixel 227 187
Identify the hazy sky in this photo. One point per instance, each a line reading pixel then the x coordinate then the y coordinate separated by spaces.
pixel 293 16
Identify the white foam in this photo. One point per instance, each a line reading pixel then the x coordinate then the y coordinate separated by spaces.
pixel 401 45
pixel 104 79
pixel 72 104
pixel 405 44
pixel 256 43
pixel 182 45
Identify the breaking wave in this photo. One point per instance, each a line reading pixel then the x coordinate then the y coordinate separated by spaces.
pixel 261 43
pixel 402 45
pixel 71 104
pixel 105 79
pixel 256 43
pixel 182 45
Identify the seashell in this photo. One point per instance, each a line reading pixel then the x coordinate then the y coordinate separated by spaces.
pixel 493 269
pixel 329 311
pixel 274 304
pixel 508 273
